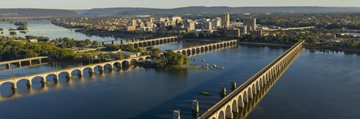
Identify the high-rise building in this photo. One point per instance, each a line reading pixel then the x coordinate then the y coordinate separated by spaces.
pixel 208 25
pixel 251 22
pixel 254 24
pixel 243 29
pixel 226 21
pixel 176 19
pixel 190 25
pixel 217 22
pixel 134 22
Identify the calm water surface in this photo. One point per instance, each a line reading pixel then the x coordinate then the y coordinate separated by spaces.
pixel 317 85
pixel 46 28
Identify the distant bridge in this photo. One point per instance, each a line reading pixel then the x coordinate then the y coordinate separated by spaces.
pixel 69 72
pixel 195 50
pixel 251 92
pixel 148 42
pixel 155 41
pixel 23 62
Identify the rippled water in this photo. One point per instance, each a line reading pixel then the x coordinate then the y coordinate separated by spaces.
pixel 317 86
pixel 46 28
pixel 140 93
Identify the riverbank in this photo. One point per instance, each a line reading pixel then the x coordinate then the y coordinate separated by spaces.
pixel 311 47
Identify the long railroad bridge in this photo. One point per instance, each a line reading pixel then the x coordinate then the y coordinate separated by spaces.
pixel 148 42
pixel 253 89
pixel 74 71
pixel 195 50
pixel 155 41
pixel 23 62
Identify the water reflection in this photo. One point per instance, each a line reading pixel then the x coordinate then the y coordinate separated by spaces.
pixel 8 92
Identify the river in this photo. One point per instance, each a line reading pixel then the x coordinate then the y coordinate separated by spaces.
pixel 47 29
pixel 317 86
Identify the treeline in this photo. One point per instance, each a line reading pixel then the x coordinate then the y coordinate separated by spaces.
pixel 17 49
pixel 312 39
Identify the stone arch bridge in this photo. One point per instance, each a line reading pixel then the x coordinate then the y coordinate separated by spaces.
pixel 155 41
pixel 235 101
pixel 69 72
pixel 195 50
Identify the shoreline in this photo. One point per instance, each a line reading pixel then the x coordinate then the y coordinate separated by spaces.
pixel 356 51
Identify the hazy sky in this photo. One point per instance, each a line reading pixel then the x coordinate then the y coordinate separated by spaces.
pixel 85 4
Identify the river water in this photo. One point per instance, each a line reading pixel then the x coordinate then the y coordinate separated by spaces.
pixel 47 29
pixel 317 86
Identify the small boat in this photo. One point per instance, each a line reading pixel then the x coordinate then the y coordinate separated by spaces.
pixel 203 60
pixel 205 93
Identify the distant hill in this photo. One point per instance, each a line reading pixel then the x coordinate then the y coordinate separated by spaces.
pixel 218 10
pixel 28 12
pixel 113 11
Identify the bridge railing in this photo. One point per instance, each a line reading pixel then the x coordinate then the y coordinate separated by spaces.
pixel 247 83
pixel 21 60
pixel 67 69
pixel 147 40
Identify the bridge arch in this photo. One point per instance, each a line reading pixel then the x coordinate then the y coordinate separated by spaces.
pixel 38 79
pixel 52 78
pixel 117 65
pixel 188 52
pixel 193 51
pixel 99 68
pixel 108 66
pixel 157 42
pixel 184 52
pixel 221 115
pixel 133 61
pixel 228 112
pixel 8 83
pixel 234 106
pixel 88 70
pixel 202 49
pixel 250 93
pixel 140 44
pixel 125 63
pixel 198 50
pixel 27 83
pixel 240 101
pixel 76 72
pixel 65 74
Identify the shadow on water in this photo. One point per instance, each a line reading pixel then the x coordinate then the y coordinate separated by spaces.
pixel 39 85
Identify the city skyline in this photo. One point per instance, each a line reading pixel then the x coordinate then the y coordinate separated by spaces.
pixel 81 4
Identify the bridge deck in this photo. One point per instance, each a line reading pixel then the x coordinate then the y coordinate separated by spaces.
pixel 233 94
pixel 21 60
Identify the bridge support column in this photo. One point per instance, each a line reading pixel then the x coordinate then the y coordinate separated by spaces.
pixel 8 66
pixel 14 86
pixel 20 64
pixel 223 92
pixel 233 85
pixel 195 108
pixel 176 114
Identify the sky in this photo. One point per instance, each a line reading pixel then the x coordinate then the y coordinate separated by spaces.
pixel 87 4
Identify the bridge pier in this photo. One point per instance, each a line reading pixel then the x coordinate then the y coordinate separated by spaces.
pixel 195 108
pixel 233 85
pixel 223 92
pixel 176 114
pixel 8 66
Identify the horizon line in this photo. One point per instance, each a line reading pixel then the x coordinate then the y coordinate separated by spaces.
pixel 178 7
